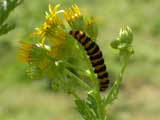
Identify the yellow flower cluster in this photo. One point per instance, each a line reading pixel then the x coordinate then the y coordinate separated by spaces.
pixel 72 13
pixel 52 28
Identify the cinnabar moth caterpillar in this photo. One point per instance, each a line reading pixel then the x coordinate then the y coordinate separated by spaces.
pixel 95 56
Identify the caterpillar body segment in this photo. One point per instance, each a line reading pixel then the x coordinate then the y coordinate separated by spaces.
pixel 95 56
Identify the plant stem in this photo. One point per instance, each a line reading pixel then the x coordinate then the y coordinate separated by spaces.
pixel 115 89
pixel 81 82
pixel 93 76
pixel 100 106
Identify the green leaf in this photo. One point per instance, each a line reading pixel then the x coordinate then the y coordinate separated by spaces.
pixel 78 24
pixel 6 7
pixel 85 110
pixel 91 28
pixel 34 72
pixel 6 28
pixel 92 103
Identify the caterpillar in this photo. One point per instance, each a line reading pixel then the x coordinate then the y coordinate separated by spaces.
pixel 95 56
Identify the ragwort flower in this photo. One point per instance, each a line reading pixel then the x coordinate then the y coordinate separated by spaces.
pixel 72 13
pixel 25 51
pixel 74 17
pixel 53 28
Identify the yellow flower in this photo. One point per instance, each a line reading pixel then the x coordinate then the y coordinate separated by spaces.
pixel 34 54
pixel 53 27
pixel 25 51
pixel 72 13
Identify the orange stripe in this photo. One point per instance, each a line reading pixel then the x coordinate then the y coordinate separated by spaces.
pixel 101 73
pixel 83 39
pixel 104 79
pixel 88 44
pixel 73 33
pixel 79 35
pixel 96 53
pixel 103 82
pixel 96 60
pixel 91 50
pixel 99 66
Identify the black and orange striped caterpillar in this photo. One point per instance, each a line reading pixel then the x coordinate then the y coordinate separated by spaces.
pixel 95 56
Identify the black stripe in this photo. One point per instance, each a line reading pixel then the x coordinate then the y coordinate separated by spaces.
pixel 71 32
pixel 94 51
pixel 96 56
pixel 82 36
pixel 104 83
pixel 90 46
pixel 100 70
pixel 76 34
pixel 104 75
pixel 103 88
pixel 86 41
pixel 98 63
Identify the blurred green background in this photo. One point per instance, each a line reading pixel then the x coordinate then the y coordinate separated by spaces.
pixel 23 99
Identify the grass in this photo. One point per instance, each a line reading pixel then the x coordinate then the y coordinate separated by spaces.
pixel 140 105
pixel 23 99
pixel 33 103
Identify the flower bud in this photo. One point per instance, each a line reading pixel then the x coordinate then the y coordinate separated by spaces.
pixel 126 35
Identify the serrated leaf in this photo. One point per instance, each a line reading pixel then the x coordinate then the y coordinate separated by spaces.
pixel 6 7
pixel 92 103
pixel 84 110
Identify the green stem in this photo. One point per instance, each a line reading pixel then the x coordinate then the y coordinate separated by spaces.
pixel 72 66
pixel 74 95
pixel 115 89
pixel 81 82
pixel 123 69
pixel 100 106
pixel 93 76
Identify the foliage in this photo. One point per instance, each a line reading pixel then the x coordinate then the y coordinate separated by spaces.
pixel 57 56
pixel 6 7
pixel 94 106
